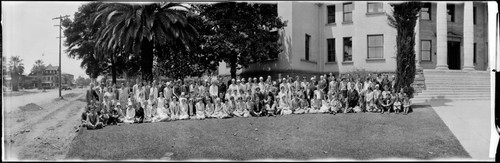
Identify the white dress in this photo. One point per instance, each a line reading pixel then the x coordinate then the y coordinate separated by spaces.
pixel 325 107
pixel 200 110
pixel 161 111
pixel 183 109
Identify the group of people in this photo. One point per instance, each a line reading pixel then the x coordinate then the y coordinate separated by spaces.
pixel 212 98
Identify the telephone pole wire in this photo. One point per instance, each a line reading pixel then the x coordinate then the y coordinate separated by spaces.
pixel 60 69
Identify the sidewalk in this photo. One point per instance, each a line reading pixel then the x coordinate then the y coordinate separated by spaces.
pixel 470 122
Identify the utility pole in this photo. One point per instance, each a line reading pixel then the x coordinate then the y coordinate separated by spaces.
pixel 60 29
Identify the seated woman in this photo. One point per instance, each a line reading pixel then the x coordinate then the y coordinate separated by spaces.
pixel 219 110
pixel 148 111
pixel 183 105
pixel 139 113
pixel 238 112
pixel 258 108
pixel 209 107
pixel 386 100
pixel 246 106
pixel 325 106
pixel 276 107
pixel 191 103
pixel 335 103
pixel 369 100
pixel 315 104
pixel 269 105
pixel 113 115
pixel 93 121
pixel 230 106
pixel 130 113
pixel 297 107
pixel 200 109
pixel 161 110
pixel 285 107
pixel 174 108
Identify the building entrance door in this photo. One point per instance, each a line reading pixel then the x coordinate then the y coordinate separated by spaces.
pixel 454 55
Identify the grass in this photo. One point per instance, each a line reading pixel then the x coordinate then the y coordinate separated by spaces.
pixel 361 136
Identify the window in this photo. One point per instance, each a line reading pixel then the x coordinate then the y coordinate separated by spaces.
pixel 347 49
pixel 425 12
pixel 425 50
pixel 331 13
pixel 451 12
pixel 374 7
pixel 308 38
pixel 474 15
pixel 348 7
pixel 375 46
pixel 474 52
pixel 331 49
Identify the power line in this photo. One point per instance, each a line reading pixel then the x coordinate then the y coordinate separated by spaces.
pixel 60 29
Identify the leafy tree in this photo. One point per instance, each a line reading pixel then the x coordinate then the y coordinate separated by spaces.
pixel 139 29
pixel 404 19
pixel 178 61
pixel 16 68
pixel 37 70
pixel 243 32
pixel 81 38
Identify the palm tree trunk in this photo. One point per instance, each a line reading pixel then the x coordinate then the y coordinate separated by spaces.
pixel 147 60
pixel 113 68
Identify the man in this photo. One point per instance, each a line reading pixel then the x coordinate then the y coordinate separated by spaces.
pixel 168 91
pixel 352 98
pixel 162 87
pixel 262 85
pixel 91 94
pixel 222 88
pixel 176 91
pixel 100 91
pixel 322 87
pixel 147 89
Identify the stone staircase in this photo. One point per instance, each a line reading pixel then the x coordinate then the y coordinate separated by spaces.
pixel 454 85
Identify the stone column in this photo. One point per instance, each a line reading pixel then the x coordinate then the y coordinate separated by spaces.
pixel 442 36
pixel 417 45
pixel 468 37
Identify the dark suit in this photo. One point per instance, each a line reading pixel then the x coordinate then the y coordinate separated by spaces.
pixel 91 95
pixel 352 98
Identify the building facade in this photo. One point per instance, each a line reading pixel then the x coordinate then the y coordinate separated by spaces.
pixel 343 37
pixel 50 77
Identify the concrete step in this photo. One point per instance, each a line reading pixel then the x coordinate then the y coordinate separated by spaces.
pixel 430 71
pixel 454 93
pixel 427 101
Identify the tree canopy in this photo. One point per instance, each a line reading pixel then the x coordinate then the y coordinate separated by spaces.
pixel 244 33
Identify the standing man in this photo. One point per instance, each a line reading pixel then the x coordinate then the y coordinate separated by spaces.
pixel 123 93
pixel 168 92
pixel 154 90
pixel 162 87
pixel 91 94
pixel 136 89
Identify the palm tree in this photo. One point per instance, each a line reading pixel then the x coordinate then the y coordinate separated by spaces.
pixel 16 67
pixel 138 29
pixel 37 70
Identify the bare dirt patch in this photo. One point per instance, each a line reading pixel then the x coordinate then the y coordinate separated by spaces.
pixel 30 107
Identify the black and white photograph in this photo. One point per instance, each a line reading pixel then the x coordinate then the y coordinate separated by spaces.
pixel 250 80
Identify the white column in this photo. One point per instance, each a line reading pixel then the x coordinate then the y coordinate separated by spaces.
pixel 468 36
pixel 417 45
pixel 442 36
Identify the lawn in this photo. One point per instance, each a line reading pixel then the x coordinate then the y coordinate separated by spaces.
pixel 360 136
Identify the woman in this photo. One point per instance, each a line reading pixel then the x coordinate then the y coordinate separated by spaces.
pixel 240 106
pixel 174 108
pixel 209 107
pixel 200 109
pixel 161 111
pixel 183 114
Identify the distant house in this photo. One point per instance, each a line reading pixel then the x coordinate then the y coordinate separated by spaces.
pixel 67 79
pixel 50 76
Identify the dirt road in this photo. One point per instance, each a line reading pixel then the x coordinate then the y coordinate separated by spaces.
pixel 42 134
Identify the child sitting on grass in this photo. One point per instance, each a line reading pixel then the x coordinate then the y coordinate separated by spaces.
pixel 336 104
pixel 406 103
pixel 174 108
pixel 386 100
pixel 296 107
pixel 239 107
pixel 259 105
pixel 397 104
pixel 183 105
pixel 369 100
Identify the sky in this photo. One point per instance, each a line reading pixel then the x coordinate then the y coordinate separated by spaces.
pixel 29 32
